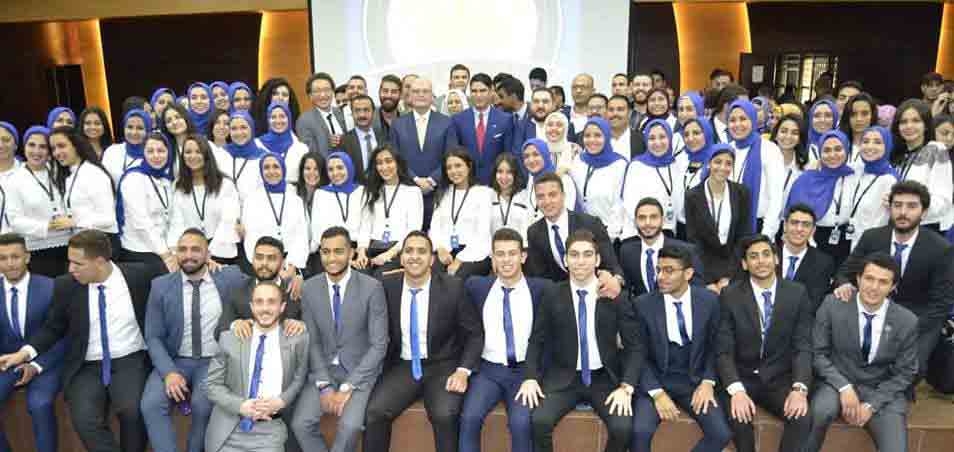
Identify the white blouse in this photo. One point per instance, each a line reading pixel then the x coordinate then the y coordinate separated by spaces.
pixel 600 188
pixel 569 196
pixel 514 213
pixel 666 184
pixel 89 198
pixel 214 213
pixel 32 201
pixel 864 199
pixel 147 208
pixel 403 213
pixel 690 180
pixel 771 201
pixel 116 160
pixel 839 209
pixel 278 215
pixel 244 172
pixel 472 210
pixel 336 209
pixel 721 211
pixel 931 166
pixel 792 171
pixel 293 156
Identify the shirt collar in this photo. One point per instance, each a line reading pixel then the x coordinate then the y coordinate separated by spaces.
pixel 207 277
pixel 910 242
pixel 685 299
pixel 425 288
pixel 879 313
pixel 114 277
pixel 418 116
pixel 757 289
pixel 20 285
pixel 520 284
pixel 656 246
pixel 592 288
pixel 344 280
pixel 561 220
pixel 271 334
pixel 786 253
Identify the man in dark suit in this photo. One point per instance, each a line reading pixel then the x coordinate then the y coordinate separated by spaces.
pixel 545 239
pixel 534 123
pixel 389 96
pixel 27 301
pixel 506 303
pixel 639 255
pixel 618 114
pixel 483 130
pixel 181 316
pixel 422 138
pixel 801 262
pixel 361 141
pixel 347 317
pixel 437 339
pixel 589 367
pixel 765 353
pixel 106 365
pixel 673 341
pixel 866 359
pixel 925 286
pixel 322 127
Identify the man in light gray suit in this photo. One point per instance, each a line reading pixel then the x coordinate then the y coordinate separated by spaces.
pixel 322 127
pixel 346 313
pixel 252 381
pixel 866 359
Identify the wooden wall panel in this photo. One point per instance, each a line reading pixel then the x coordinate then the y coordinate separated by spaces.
pixel 284 50
pixel 945 47
pixel 710 35
pixel 47 10
pixel 653 41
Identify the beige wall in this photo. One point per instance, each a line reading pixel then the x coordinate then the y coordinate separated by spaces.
pixel 46 10
pixel 283 50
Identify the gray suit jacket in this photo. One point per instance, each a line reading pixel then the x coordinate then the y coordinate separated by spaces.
pixel 227 381
pixel 362 341
pixel 838 362
pixel 313 131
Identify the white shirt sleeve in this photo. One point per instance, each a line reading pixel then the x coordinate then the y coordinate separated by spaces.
pixel 773 183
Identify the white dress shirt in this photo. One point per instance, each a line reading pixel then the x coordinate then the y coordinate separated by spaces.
pixel 89 198
pixel 600 188
pixel 243 172
pixel 336 209
pixel 578 119
pixel 786 262
pixel 521 312
pixel 30 208
pixel 596 362
pixel 220 211
pixel 514 213
pixel 877 326
pixel 270 382
pixel 839 209
pixel 329 118
pixel 672 317
pixel 865 202
pixel 293 159
pixel 125 337
pixel 406 214
pixel 348 117
pixel 931 166
pixel 423 300
pixel 644 181
pixel 642 259
pixel 342 287
pixel 721 129
pixel 210 308
pixel 770 202
pixel 261 220
pixel 420 122
pixel 117 160
pixel 721 211
pixel 563 223
pixel 473 227
pixel 791 175
pixel 147 206
pixel 907 251
pixel 622 144
pixel 362 141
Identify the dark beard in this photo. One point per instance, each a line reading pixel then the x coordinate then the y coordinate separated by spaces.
pixel 914 225
pixel 385 108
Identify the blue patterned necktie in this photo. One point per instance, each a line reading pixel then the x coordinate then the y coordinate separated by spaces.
pixel 650 271
pixel 767 307
pixel 107 366
pixel 247 422
pixel 790 273
pixel 416 370
pixel 898 254
pixel 15 313
pixel 508 328
pixel 561 248
pixel 681 321
pixel 866 342
pixel 336 307
pixel 584 340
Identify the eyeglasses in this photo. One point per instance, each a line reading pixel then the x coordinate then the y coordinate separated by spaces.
pixel 667 270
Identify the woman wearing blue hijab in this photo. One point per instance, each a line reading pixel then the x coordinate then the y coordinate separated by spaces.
pixel 161 99
pixel 60 117
pixel 599 172
pixel 871 183
pixel 538 160
pixel 281 140
pixel 220 95
pixel 137 125
pixel 240 97
pixel 9 142
pixel 144 206
pixel 688 106
pixel 200 106
pixel 828 192
pixel 242 154
pixel 338 203
pixel 655 174
pixel 698 137
pixel 274 209
pixel 822 117
pixel 759 166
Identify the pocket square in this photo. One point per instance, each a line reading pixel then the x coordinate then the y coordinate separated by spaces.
pixel 498 135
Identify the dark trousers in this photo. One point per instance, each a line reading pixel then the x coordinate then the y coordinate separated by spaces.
pixel 90 403
pixel 51 262
pixel 396 390
pixel 492 384
pixel 771 397
pixel 715 431
pixel 41 393
pixel 558 403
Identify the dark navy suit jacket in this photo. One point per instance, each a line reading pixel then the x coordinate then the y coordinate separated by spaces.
pixel 39 299
pixel 498 139
pixel 423 160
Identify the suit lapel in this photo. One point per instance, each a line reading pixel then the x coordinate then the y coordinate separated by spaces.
pixel 324 312
pixel 432 307
pixel 806 265
pixel 700 312
pixel 245 350
pixel 886 332
pixel 658 309
pixel 284 345
pixel 6 326
pixel 177 307
pixel 751 308
pixel 354 293
pixel 569 302
pixel 850 319
pixel 429 128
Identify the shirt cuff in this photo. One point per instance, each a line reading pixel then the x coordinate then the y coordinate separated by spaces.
pixel 711 382
pixel 653 392
pixel 345 387
pixel 39 368
pixel 735 387
pixel 800 385
pixel 844 388
pixel 465 370
pixel 31 352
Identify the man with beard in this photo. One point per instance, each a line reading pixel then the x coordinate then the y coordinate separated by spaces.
pixel 483 130
pixel 361 141
pixel 357 86
pixel 923 260
pixel 639 87
pixel 801 262
pixel 639 256
pixel 581 89
pixel 347 319
pixel 534 124
pixel 389 95
pixel 626 140
pixel 181 316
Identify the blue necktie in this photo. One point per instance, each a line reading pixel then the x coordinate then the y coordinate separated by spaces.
pixel 104 337
pixel 416 371
pixel 336 307
pixel 247 422
pixel 584 339
pixel 790 273
pixel 866 343
pixel 650 271
pixel 508 328
pixel 898 253
pixel 681 321
pixel 15 313
pixel 561 249
pixel 766 316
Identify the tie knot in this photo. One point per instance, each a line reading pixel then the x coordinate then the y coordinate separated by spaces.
pixel 677 304
pixel 767 295
pixel 649 252
pixel 195 284
pixel 261 338
pixel 14 290
pixel 556 228
pixel 869 317
pixel 414 292
pixel 507 290
pixel 336 287
pixel 793 259
pixel 899 247
pixel 581 293
pixel 102 288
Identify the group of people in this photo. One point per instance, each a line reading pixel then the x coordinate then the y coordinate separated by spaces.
pixel 645 253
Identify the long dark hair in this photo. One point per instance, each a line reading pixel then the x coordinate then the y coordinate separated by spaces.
pixel 923 110
pixel 301 187
pixel 801 149
pixel 376 182
pixel 107 138
pixel 519 179
pixel 264 98
pixel 210 169
pixel 216 113
pixel 444 185
pixel 845 123
pixel 190 126
pixel 85 152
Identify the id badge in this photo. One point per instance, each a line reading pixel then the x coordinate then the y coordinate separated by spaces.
pixel 850 232
pixel 455 241
pixel 670 215
pixel 56 210
pixel 835 236
pixel 386 237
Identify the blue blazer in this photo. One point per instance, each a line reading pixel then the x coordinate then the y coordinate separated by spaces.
pixel 39 301
pixel 498 139
pixel 526 129
pixel 651 341
pixel 423 160
pixel 165 316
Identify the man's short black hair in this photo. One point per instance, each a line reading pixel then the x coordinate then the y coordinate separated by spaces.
pixel 267 240
pixel 800 208
pixel 677 252
pixel 883 260
pixel 319 76
pixel 911 187
pixel 512 86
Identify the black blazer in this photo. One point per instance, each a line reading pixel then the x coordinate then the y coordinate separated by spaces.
pixel 815 272
pixel 631 256
pixel 455 331
pixel 554 327
pixel 237 304
pixel 540 261
pixel 351 146
pixel 69 315
pixel 718 260
pixel 788 345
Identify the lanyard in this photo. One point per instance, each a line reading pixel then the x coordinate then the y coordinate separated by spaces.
pixel 856 200
pixel 691 174
pixel 155 188
pixel 48 189
pixel 669 186
pixel 280 214
pixel 505 216
pixel 235 177
pixel 841 194
pixel 586 182
pixel 788 178
pixel 346 208
pixel 455 211
pixel 69 197
pixel 716 215
pixel 127 162
pixel 3 208
pixel 908 163
pixel 195 202
pixel 387 205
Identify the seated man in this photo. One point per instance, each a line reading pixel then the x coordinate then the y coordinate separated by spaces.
pixel 27 301
pixel 802 262
pixel 250 382
pixel 675 331
pixel 590 367
pixel 866 358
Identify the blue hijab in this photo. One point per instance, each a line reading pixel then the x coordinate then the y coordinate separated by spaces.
pixel 137 150
pixel 348 186
pixel 882 165
pixel 702 155
pixel 13 132
pixel 54 113
pixel 201 120
pixel 648 158
pixel 33 130
pixel 220 84
pixel 233 88
pixel 544 150
pixel 763 104
pixel 752 176
pixel 816 188
pixel 273 188
pixel 714 151
pixel 278 143
pixel 814 136
pixel 143 168
pixel 698 104
pixel 607 156
pixel 159 92
pixel 249 150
